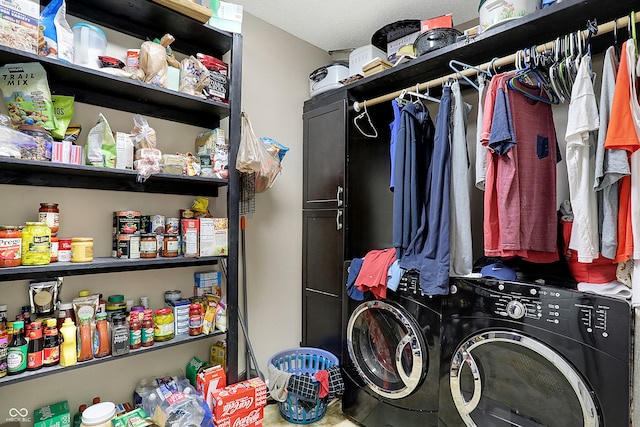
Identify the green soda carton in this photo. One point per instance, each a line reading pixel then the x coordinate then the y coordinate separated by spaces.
pixel 54 415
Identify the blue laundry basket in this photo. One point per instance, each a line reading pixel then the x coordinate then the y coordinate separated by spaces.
pixel 302 361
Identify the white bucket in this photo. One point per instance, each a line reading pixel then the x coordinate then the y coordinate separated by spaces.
pixel 495 12
pixel 89 42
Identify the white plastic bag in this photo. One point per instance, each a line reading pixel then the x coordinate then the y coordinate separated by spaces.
pixel 253 156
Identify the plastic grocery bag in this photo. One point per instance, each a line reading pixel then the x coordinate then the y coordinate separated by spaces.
pixel 253 156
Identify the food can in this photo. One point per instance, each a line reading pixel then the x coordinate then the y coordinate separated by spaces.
pixel 172 226
pixel 36 244
pixel 64 250
pixel 133 58
pixel 127 246
pixel 81 249
pixel 126 222
pixel 10 246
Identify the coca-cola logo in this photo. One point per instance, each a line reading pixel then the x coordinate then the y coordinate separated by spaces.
pixel 235 405
pixel 249 420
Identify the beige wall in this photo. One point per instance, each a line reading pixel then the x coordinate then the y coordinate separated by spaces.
pixel 275 85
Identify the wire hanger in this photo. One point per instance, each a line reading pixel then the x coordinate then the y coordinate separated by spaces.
pixel 453 63
pixel 363 114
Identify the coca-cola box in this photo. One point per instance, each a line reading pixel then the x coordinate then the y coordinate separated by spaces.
pixel 252 418
pixel 245 396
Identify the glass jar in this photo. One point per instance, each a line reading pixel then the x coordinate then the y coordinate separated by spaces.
pixel 119 334
pixel 195 319
pixel 54 248
pixel 171 245
pixel 36 244
pixel 163 324
pixel 50 215
pixel 82 249
pixel 135 332
pixel 147 328
pixel 10 246
pixel 148 246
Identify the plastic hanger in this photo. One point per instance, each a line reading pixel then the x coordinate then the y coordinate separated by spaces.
pixel 529 75
pixel 421 96
pixel 363 114
pixel 453 63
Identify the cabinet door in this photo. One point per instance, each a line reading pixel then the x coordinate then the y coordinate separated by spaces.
pixel 323 325
pixel 323 250
pixel 324 156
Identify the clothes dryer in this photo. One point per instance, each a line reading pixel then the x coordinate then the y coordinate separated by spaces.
pixel 391 362
pixel 516 354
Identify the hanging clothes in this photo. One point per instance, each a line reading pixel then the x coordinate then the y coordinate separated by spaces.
pixel 428 252
pixel 610 165
pixel 393 128
pixel 413 156
pixel 461 245
pixel 622 135
pixel 481 150
pixel 520 196
pixel 582 124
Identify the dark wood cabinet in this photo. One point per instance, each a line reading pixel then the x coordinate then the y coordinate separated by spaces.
pixel 323 251
pixel 323 328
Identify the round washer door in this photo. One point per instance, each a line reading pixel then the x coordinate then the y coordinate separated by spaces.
pixel 386 346
pixel 504 378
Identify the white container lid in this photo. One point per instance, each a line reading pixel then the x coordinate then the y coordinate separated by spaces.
pixel 99 413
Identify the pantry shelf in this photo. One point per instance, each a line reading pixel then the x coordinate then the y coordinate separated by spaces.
pixel 100 265
pixel 39 173
pixel 29 375
pixel 99 88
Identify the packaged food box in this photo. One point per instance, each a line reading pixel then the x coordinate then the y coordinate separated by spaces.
pixel 190 236
pixel 238 398
pixel 218 354
pixel 206 141
pixel 252 418
pixel 210 379
pixel 19 24
pixel 226 16
pixel 55 415
pixel 205 279
pixel 194 366
pixel 124 150
pixel 214 236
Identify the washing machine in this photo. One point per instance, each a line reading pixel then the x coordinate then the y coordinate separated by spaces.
pixel 529 355
pixel 391 361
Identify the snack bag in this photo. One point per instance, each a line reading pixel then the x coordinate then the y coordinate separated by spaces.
pixel 27 96
pixel 101 145
pixel 63 109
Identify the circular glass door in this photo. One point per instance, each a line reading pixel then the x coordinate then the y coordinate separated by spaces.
pixel 503 378
pixel 387 348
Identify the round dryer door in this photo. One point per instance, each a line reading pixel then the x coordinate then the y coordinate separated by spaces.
pixel 504 378
pixel 387 348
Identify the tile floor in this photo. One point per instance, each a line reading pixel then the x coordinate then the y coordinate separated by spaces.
pixel 333 417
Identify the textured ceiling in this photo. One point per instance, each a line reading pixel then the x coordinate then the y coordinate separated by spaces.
pixel 344 24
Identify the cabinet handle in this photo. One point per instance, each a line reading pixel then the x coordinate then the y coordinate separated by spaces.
pixel 338 194
pixel 338 223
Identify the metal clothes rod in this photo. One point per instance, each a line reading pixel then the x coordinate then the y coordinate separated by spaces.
pixel 499 62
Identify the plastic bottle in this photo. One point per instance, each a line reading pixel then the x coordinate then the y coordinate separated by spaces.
pixel 85 349
pixel 17 351
pixel 139 393
pixel 101 344
pixel 68 351
pixel 77 418
pixel 149 404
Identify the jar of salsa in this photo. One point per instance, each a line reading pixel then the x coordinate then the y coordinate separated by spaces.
pixel 50 215
pixel 10 246
pixel 171 245
pixel 148 246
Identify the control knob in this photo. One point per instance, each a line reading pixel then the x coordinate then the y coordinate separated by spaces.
pixel 515 309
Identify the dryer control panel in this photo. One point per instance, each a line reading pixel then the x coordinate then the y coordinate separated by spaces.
pixel 600 320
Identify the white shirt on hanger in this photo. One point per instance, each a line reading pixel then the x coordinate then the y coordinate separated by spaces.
pixel 582 122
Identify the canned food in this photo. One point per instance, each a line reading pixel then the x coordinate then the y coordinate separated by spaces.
pixel 82 249
pixel 36 244
pixel 172 226
pixel 127 246
pixel 64 250
pixel 126 222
